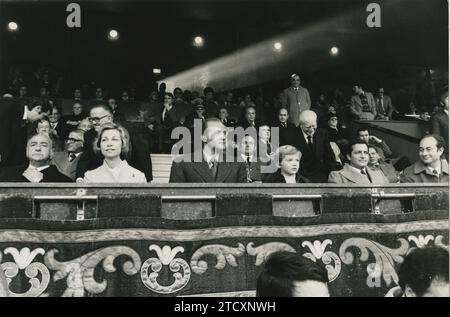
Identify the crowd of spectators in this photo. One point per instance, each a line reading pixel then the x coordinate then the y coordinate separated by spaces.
pixel 312 137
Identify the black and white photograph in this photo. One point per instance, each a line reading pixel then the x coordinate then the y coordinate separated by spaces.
pixel 224 152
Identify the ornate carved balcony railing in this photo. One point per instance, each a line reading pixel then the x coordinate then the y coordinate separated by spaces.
pixel 203 239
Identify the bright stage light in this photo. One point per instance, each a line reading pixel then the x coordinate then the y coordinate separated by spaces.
pixel 12 26
pixel 113 35
pixel 278 46
pixel 334 51
pixel 198 41
pixel 156 70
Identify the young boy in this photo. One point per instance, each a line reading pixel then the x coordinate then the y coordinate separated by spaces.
pixel 289 164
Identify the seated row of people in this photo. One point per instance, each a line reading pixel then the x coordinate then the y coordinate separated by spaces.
pixel 312 158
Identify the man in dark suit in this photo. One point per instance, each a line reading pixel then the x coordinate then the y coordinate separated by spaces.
pixel 287 130
pixel 58 128
pixel 439 122
pixel 296 99
pixel 166 119
pixel 318 158
pixel 249 119
pixel 13 132
pixel 226 120
pixel 39 153
pixel 139 156
pixel 383 105
pixel 247 153
pixel 66 161
pixel 207 165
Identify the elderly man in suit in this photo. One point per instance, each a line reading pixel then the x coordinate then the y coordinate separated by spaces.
pixel 362 104
pixel 384 105
pixel 439 122
pixel 318 158
pixel 296 99
pixel 13 132
pixel 139 156
pixel 356 171
pixel 39 153
pixel 431 167
pixel 66 161
pixel 207 165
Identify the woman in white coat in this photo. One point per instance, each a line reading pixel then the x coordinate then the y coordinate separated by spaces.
pixel 114 145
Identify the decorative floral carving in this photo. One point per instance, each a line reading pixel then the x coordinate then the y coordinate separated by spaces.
pixel 421 241
pixel 264 250
pixel 223 253
pixel 438 241
pixel 80 271
pixel 23 261
pixel 317 249
pixel 166 256
pixel 385 257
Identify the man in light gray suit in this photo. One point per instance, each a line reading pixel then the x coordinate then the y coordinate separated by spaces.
pixel 356 172
pixel 362 104
pixel 296 99
pixel 66 161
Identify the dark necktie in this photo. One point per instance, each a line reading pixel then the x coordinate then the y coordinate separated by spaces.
pixel 213 166
pixel 310 144
pixel 269 148
pixel 381 105
pixel 367 175
pixel 72 156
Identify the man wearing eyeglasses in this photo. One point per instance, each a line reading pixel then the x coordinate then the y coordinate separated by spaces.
pixel 66 161
pixel 296 99
pixel 139 157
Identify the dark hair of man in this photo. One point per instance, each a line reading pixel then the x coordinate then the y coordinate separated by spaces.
pixel 103 106
pixel 349 148
pixel 440 142
pixel 421 266
pixel 282 269
pixel 207 90
pixel 361 129
pixel 168 94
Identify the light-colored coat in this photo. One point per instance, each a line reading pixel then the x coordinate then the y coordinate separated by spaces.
pixel 347 175
pixel 127 174
pixel 356 107
pixel 61 161
pixel 296 102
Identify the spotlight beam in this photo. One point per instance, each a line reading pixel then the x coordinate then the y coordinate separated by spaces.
pixel 259 63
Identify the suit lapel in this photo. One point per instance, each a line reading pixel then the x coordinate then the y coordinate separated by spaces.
pixel 202 169
pixel 223 170
pixel 353 176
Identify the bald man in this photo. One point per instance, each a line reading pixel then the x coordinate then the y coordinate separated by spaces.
pixel 318 159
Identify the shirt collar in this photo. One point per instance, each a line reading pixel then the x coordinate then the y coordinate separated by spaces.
pixel 306 136
pixel 208 157
pixel 40 169
pixel 244 157
pixel 419 167
pixel 357 170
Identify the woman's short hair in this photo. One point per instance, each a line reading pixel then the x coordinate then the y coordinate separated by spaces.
pixel 124 136
pixel 285 150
